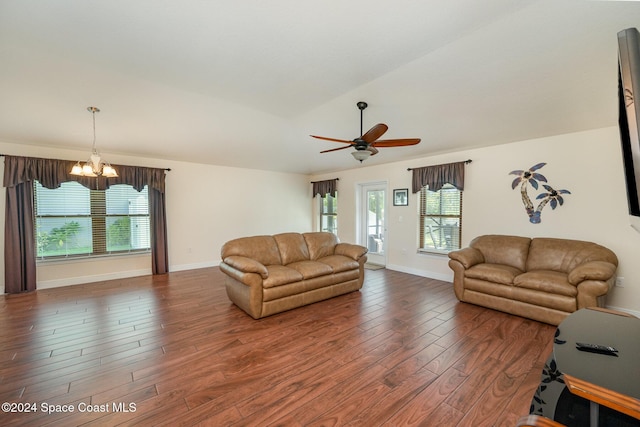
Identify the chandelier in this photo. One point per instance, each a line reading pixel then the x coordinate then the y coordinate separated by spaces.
pixel 96 165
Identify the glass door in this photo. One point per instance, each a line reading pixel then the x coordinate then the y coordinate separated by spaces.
pixel 373 221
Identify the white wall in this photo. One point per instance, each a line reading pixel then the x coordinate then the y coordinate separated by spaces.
pixel 206 206
pixel 589 164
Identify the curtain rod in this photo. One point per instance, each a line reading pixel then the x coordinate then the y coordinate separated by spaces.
pixel 466 162
pixel 314 182
pixel 2 155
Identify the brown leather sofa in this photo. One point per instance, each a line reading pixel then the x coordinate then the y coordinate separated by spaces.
pixel 271 274
pixel 544 279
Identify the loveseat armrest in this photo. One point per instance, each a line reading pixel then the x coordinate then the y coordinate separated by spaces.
pixel 592 270
pixel 350 250
pixel 246 265
pixel 468 257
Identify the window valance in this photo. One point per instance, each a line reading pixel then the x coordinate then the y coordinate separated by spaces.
pixel 52 172
pixel 439 175
pixel 323 188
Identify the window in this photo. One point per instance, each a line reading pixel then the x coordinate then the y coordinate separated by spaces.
pixel 329 213
pixel 440 219
pixel 73 221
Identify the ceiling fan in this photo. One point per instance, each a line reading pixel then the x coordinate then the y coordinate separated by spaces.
pixel 368 143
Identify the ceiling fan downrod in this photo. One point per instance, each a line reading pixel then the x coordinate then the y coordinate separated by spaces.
pixel 361 106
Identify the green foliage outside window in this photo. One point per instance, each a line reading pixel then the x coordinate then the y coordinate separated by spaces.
pixel 119 234
pixel 60 240
pixel 65 240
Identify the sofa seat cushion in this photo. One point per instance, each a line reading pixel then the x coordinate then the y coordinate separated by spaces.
pixel 497 273
pixel 549 281
pixel 310 269
pixel 330 280
pixel 340 263
pixel 280 275
pixel 283 291
pixel 489 288
pixel 544 299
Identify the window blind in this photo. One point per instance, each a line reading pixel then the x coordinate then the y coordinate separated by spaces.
pixel 329 213
pixel 440 219
pixel 72 221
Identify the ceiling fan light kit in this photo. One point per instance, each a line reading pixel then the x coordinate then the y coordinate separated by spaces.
pixel 367 144
pixel 361 155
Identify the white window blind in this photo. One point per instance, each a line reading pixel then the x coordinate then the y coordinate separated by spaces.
pixel 329 213
pixel 440 219
pixel 73 221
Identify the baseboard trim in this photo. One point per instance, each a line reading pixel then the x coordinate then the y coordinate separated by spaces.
pixel 194 266
pixel 57 283
pixel 421 273
pixel 79 280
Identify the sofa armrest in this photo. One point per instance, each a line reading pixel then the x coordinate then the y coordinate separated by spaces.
pixel 468 257
pixel 592 270
pixel 350 250
pixel 246 265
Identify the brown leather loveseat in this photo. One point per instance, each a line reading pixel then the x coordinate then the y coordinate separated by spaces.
pixel 271 274
pixel 544 279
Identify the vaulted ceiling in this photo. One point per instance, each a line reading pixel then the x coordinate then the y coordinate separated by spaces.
pixel 244 83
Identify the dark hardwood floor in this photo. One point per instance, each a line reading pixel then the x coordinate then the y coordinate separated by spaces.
pixel 172 350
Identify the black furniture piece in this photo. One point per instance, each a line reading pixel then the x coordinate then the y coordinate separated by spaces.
pixel 580 388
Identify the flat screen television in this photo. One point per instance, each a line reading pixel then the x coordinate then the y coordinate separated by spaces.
pixel 629 117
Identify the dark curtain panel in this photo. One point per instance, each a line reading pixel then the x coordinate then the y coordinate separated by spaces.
pixel 159 247
pixel 323 188
pixel 437 176
pixel 19 174
pixel 19 242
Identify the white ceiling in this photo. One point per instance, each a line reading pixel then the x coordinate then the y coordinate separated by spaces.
pixel 244 83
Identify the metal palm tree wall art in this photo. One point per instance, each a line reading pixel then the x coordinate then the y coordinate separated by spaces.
pixel 551 196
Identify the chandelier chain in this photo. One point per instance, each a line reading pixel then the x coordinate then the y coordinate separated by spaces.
pixel 93 111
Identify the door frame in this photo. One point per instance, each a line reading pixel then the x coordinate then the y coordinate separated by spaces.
pixel 361 218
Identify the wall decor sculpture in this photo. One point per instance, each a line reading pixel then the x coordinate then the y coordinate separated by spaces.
pixel 551 196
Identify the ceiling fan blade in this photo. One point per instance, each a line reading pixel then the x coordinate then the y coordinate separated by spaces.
pixel 373 150
pixel 336 149
pixel 332 139
pixel 396 142
pixel 374 133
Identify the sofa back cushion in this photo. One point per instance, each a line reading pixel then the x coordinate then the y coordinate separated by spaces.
pixel 292 247
pixel 564 255
pixel 260 248
pixel 320 244
pixel 507 250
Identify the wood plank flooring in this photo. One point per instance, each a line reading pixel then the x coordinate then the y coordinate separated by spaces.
pixel 172 350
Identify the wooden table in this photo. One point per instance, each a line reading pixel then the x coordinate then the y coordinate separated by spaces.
pixel 603 380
